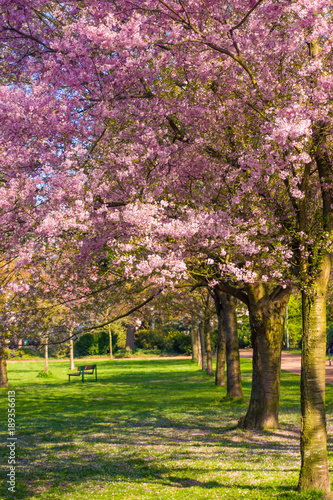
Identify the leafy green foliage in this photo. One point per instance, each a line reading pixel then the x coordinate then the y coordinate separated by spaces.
pixel 243 329
pixel 295 321
pixel 172 341
pixel 91 345
pixel 59 350
pixel 180 342
pixel 98 343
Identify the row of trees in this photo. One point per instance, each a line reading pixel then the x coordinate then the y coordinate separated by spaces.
pixel 155 145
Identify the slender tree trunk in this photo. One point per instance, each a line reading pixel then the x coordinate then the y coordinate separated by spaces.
pixel 267 309
pixel 210 370
pixel 202 343
pixel 3 368
pixel 221 345
pixel 314 469
pixel 234 379
pixel 130 337
pixel 46 350
pixel 199 347
pixel 110 339
pixel 71 350
pixel 194 339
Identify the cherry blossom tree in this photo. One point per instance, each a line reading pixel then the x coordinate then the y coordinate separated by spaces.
pixel 174 133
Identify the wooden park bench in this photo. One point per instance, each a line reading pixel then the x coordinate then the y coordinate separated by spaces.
pixel 83 370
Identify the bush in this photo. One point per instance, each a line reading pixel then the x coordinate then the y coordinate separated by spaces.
pixel 87 345
pixel 180 342
pixel 243 329
pixel 150 339
pixel 59 351
pixel 155 339
pixel 95 344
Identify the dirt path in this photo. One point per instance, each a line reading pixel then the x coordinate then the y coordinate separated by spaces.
pixel 292 363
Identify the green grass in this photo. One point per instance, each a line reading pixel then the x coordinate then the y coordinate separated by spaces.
pixel 147 430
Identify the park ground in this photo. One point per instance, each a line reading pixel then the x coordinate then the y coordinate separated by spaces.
pixel 148 429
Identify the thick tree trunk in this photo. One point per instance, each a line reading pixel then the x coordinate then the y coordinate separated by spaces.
pixel 110 340
pixel 194 339
pixel 199 347
pixel 130 337
pixel 221 345
pixel 314 469
pixel 3 368
pixel 234 379
pixel 71 350
pixel 210 371
pixel 267 310
pixel 202 344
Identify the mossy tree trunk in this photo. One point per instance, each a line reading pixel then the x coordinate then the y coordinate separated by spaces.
pixel 210 370
pixel 221 344
pixel 267 310
pixel 199 346
pixel 3 367
pixel 130 337
pixel 194 340
pixel 110 341
pixel 202 344
pixel 234 379
pixel 314 472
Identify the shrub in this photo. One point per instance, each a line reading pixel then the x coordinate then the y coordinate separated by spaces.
pixel 95 344
pixel 155 339
pixel 59 350
pixel 104 343
pixel 87 345
pixel 150 338
pixel 180 342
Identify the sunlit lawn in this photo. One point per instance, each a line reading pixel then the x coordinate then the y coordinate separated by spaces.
pixel 147 430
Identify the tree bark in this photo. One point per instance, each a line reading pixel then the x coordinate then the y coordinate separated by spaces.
pixel 314 468
pixel 71 350
pixel 210 370
pixel 199 347
pixel 110 339
pixel 130 337
pixel 267 309
pixel 234 379
pixel 3 368
pixel 221 344
pixel 194 339
pixel 202 344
